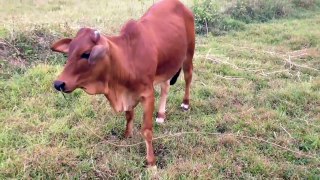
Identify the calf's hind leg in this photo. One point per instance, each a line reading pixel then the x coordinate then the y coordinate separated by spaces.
pixel 129 127
pixel 163 100
pixel 187 70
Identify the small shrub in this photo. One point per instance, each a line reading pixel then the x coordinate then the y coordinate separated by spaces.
pixel 205 13
pixel 209 18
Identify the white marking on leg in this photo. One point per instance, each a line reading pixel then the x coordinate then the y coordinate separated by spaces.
pixel 163 100
pixel 164 94
pixel 185 106
pixel 160 120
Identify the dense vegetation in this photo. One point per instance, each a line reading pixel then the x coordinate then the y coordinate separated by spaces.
pixel 220 17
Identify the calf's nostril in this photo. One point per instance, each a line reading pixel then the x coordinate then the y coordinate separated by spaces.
pixel 59 85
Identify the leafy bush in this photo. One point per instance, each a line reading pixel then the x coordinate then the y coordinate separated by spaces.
pixel 205 12
pixel 209 18
pixel 250 11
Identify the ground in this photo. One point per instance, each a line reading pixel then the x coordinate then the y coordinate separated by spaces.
pixel 253 91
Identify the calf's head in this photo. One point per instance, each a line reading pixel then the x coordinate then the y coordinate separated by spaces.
pixel 88 57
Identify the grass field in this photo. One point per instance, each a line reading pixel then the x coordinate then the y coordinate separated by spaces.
pixel 262 82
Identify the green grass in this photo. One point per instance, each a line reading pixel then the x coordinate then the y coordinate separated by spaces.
pixel 243 83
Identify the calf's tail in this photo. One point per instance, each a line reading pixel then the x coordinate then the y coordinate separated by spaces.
pixel 175 77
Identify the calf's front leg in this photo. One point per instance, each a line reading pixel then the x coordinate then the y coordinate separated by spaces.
pixel 147 126
pixel 129 127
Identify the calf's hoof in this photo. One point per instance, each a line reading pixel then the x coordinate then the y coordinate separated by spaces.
pixel 160 118
pixel 185 107
pixel 152 167
pixel 152 170
pixel 128 134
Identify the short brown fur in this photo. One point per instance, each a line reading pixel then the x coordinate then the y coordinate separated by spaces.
pixel 126 67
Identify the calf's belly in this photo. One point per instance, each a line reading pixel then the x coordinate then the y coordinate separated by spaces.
pixel 166 75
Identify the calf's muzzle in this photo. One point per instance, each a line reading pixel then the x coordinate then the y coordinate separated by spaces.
pixel 59 85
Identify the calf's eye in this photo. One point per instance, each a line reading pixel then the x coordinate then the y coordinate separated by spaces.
pixel 85 55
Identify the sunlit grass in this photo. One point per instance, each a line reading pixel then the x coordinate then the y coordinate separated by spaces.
pixel 243 84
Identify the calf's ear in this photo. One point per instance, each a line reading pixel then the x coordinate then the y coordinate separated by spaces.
pixel 61 45
pixel 98 52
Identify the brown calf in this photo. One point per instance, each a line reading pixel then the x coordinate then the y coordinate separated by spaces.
pixel 125 68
